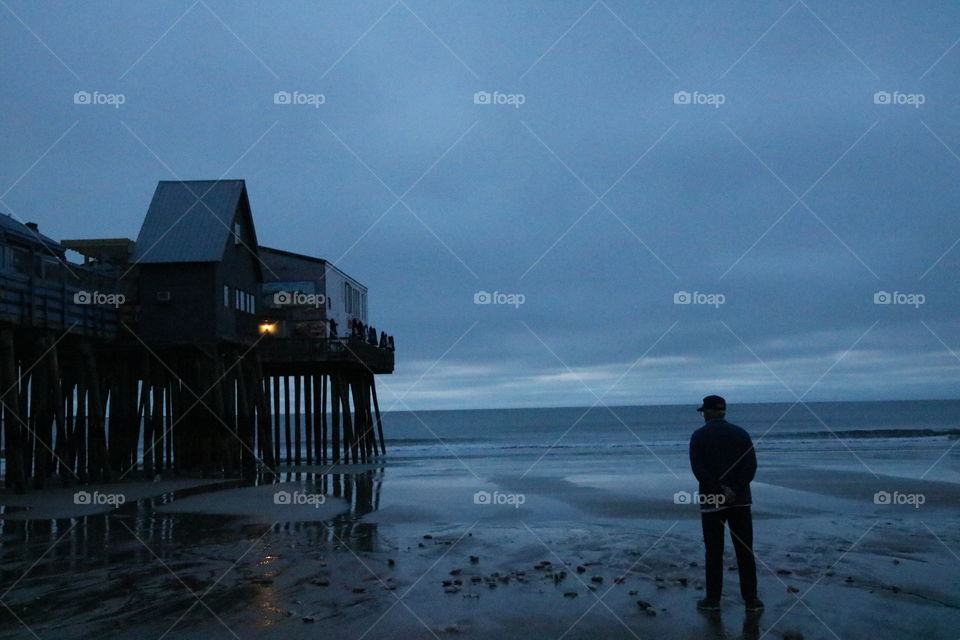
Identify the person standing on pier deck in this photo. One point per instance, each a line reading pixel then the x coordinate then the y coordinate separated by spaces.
pixel 724 462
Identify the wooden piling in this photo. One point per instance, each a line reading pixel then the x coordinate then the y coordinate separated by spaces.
pixel 376 408
pixel 12 421
pixel 297 422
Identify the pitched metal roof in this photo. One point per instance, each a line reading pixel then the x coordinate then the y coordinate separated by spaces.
pixel 189 221
pixel 12 227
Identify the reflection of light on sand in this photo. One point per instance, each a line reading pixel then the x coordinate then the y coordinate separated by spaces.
pixel 267 560
pixel 268 606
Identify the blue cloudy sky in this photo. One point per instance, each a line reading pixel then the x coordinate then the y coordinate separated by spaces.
pixel 785 161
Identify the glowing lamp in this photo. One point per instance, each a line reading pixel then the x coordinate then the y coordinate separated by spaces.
pixel 267 328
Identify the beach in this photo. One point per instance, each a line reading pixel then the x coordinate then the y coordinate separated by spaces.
pixel 532 543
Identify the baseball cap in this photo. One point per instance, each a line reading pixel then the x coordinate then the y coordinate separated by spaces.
pixel 713 403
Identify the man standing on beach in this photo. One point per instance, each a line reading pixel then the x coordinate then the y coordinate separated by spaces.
pixel 724 462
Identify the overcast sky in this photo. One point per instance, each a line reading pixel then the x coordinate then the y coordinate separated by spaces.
pixel 781 186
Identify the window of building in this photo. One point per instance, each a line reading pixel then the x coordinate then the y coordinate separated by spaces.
pixel 226 296
pixel 21 261
pixel 237 239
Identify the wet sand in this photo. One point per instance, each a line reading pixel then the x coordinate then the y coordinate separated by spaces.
pixel 407 550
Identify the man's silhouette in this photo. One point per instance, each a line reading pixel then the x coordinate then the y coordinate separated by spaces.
pixel 724 462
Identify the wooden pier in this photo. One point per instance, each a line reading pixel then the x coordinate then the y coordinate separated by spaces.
pixel 192 350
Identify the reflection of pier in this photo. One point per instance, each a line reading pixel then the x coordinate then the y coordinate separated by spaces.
pixel 124 559
pixel 193 349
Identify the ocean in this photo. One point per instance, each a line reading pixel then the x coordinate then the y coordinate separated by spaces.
pixel 815 426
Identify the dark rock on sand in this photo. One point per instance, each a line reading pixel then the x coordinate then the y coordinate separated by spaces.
pixel 581 569
pixel 308 619
pixel 597 579
pixel 792 589
pixel 792 635
pixel 474 559
pixel 784 572
pixel 570 594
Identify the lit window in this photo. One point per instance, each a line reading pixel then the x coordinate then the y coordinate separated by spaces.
pixel 236 234
pixel 226 296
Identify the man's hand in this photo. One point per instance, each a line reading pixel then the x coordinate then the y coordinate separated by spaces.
pixel 729 495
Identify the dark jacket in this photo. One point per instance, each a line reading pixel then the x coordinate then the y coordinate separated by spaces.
pixel 721 454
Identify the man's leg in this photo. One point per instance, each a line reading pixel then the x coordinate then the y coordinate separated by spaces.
pixel 712 523
pixel 740 521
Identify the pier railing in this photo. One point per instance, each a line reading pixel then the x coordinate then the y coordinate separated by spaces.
pixel 57 306
pixel 306 353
